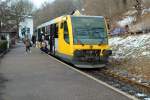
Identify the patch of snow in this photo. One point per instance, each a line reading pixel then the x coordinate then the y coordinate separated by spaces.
pixel 131 46
pixel 141 95
pixel 146 11
pixel 147 98
pixel 130 13
pixel 145 53
pixel 126 21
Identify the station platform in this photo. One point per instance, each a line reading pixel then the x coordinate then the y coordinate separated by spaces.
pixel 36 76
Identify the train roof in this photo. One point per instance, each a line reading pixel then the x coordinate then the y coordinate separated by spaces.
pixel 60 18
pixel 87 16
pixel 50 22
pixel 44 24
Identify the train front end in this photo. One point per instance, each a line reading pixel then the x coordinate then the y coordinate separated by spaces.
pixel 90 41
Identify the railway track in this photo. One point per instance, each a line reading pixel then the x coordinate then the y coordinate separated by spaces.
pixel 132 87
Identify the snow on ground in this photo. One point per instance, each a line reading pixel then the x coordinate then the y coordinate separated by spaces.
pixel 130 46
pixel 126 21
pixel 131 54
pixel 146 11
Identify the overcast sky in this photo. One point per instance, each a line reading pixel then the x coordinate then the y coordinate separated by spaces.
pixel 38 3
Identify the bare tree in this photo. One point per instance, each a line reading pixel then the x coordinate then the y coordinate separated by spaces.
pixel 53 10
pixel 13 12
pixel 138 7
pixel 4 13
pixel 107 7
pixel 20 9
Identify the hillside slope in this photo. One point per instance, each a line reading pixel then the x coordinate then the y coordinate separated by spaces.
pixel 132 54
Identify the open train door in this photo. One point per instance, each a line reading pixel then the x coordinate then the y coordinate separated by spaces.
pixel 53 38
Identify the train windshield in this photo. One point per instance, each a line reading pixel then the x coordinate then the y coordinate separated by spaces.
pixel 89 30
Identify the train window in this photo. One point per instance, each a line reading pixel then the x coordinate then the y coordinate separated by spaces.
pixel 43 30
pixel 62 25
pixel 66 33
pixel 39 34
pixel 56 31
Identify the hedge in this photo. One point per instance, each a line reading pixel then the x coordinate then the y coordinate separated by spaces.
pixel 3 46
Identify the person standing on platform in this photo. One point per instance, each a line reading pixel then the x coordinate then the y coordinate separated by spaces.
pixel 27 45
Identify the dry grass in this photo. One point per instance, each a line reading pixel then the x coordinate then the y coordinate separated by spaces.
pixel 143 23
pixel 138 67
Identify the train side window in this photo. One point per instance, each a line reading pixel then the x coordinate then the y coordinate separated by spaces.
pixel 66 33
pixel 62 25
pixel 55 30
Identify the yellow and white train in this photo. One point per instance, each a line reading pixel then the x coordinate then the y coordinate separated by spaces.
pixel 80 40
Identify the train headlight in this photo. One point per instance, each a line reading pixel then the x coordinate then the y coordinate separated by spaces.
pixel 107 52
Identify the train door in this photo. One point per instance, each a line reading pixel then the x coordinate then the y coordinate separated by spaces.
pixel 53 38
pixel 43 30
pixel 64 40
pixel 39 34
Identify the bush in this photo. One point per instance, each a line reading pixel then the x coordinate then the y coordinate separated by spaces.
pixel 3 46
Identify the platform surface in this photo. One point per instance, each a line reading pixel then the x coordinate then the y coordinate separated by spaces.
pixel 36 76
